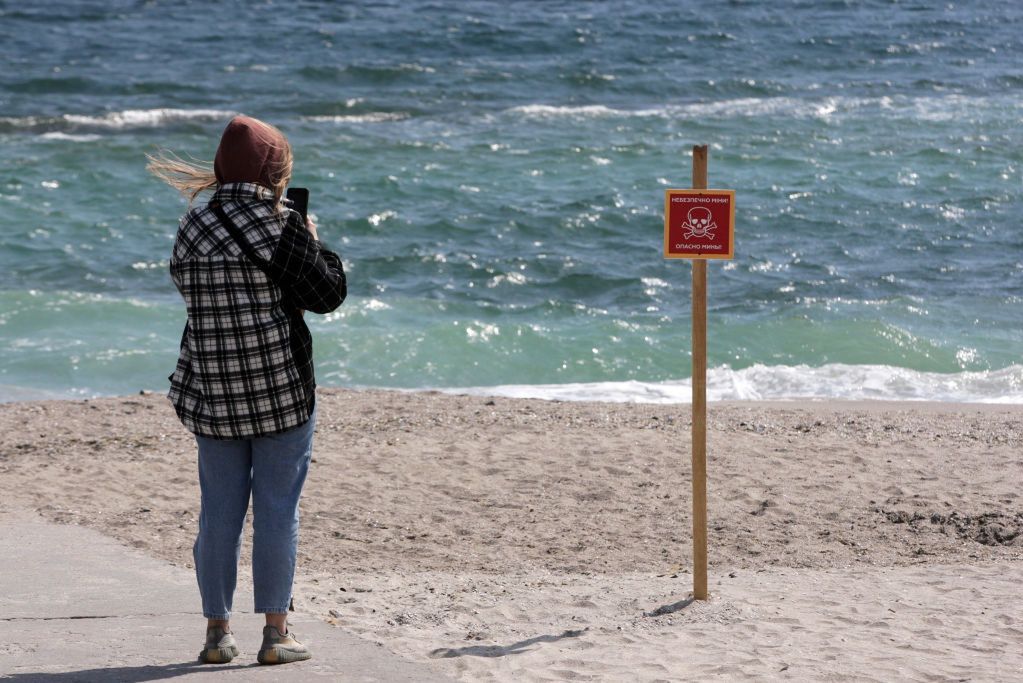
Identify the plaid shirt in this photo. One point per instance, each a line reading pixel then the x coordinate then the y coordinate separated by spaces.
pixel 246 363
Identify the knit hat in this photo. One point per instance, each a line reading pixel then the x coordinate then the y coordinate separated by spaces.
pixel 250 151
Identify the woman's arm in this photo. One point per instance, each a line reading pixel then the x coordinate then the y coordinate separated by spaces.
pixel 312 275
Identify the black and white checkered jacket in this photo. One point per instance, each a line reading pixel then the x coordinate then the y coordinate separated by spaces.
pixel 246 363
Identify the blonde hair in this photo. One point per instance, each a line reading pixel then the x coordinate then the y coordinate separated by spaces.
pixel 192 177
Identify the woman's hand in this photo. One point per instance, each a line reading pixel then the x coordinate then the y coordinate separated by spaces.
pixel 310 225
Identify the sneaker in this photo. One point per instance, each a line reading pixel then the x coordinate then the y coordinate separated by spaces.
pixel 220 646
pixel 278 649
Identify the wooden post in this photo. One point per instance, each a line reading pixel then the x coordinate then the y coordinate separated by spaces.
pixel 700 399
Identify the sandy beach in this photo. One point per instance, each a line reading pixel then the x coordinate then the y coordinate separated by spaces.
pixel 510 539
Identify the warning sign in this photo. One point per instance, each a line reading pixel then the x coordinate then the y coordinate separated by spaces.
pixel 699 224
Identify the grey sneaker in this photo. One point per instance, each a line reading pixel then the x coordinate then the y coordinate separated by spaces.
pixel 220 646
pixel 278 649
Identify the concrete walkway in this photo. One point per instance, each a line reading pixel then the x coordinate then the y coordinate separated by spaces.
pixel 77 606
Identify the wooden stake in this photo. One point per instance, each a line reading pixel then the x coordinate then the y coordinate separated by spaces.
pixel 700 399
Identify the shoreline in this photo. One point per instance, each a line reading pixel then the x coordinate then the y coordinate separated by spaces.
pixel 526 539
pixel 798 403
pixel 755 383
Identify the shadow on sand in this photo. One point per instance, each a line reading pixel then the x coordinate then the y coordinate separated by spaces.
pixel 670 609
pixel 502 650
pixel 124 674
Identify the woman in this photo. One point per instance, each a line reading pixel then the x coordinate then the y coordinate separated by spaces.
pixel 248 268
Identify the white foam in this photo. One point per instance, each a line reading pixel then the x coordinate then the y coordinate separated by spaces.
pixel 146 118
pixel 747 106
pixel 72 137
pixel 943 107
pixel 589 110
pixel 372 117
pixel 129 118
pixel 781 382
pixel 22 121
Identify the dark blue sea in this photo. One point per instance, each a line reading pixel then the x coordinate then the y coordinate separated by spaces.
pixel 493 175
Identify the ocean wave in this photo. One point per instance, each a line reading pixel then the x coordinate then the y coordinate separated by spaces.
pixel 368 73
pixel 585 110
pixel 786 382
pixel 369 117
pixel 746 106
pixel 147 118
pixel 117 120
pixel 939 108
pixel 71 137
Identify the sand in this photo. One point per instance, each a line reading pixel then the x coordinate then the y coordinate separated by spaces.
pixel 513 539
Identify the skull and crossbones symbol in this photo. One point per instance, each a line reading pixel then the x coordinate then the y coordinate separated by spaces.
pixel 700 224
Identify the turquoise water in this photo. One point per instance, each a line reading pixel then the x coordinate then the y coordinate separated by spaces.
pixel 493 176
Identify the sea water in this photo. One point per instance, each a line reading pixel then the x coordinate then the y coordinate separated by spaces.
pixel 493 176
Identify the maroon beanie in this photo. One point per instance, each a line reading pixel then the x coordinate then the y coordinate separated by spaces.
pixel 250 151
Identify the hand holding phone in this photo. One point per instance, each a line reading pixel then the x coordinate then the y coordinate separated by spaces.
pixel 299 197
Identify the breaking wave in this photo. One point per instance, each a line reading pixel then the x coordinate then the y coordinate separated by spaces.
pixel 371 117
pixel 939 108
pixel 117 120
pixel 785 382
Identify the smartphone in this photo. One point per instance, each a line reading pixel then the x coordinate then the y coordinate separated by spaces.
pixel 299 197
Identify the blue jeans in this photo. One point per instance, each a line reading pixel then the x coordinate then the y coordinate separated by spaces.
pixel 273 469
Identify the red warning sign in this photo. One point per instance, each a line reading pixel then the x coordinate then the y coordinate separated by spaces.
pixel 699 224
